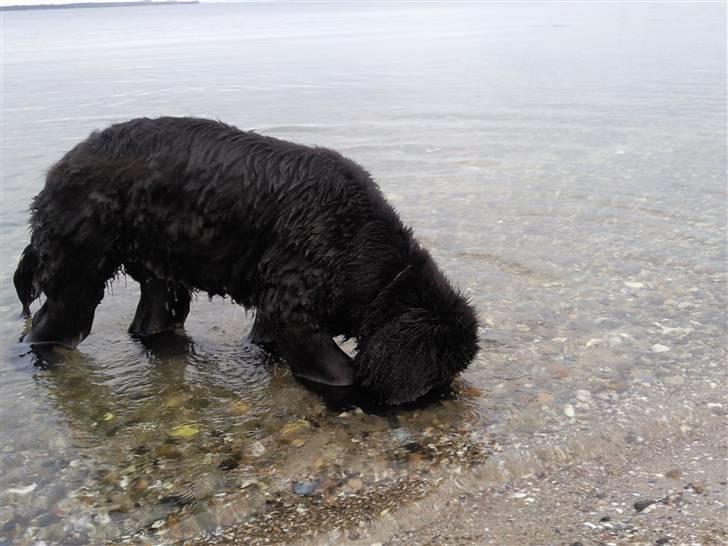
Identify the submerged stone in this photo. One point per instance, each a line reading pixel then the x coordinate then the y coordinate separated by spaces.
pixel 304 488
pixel 228 464
pixel 167 451
pixel 257 448
pixel 238 408
pixel 184 431
pixel 292 428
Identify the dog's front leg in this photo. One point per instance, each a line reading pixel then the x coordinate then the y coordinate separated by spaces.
pixel 262 333
pixel 315 356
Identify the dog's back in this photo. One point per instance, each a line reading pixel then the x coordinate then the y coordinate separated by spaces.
pixel 201 199
pixel 219 210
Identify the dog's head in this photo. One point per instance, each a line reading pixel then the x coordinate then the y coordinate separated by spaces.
pixel 419 332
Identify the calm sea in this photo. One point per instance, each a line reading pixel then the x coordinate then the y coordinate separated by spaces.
pixel 565 164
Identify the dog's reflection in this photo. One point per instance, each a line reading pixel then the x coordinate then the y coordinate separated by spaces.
pixel 172 362
pixel 169 345
pixel 134 383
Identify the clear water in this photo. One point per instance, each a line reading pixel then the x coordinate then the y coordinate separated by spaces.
pixel 564 163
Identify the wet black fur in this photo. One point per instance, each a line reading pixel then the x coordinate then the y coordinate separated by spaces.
pixel 301 234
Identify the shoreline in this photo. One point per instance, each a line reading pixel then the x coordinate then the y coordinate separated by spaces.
pixel 74 5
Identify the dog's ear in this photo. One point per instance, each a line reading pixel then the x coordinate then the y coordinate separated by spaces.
pixel 414 349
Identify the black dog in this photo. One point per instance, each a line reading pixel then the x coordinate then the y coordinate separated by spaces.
pixel 301 234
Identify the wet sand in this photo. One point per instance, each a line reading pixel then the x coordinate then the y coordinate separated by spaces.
pixel 655 485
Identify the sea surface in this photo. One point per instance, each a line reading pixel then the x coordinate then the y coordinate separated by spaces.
pixel 564 163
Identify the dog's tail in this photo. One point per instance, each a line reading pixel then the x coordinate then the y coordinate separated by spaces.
pixel 24 278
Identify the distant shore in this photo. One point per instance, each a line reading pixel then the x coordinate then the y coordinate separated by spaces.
pixel 98 5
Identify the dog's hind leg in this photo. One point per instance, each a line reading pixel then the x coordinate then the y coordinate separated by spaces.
pixel 66 317
pixel 163 306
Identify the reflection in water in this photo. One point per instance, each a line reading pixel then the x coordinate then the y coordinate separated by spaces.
pixel 167 449
pixel 167 346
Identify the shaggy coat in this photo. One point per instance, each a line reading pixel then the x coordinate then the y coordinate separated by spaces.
pixel 301 234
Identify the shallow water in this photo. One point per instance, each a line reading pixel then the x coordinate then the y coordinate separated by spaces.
pixel 565 164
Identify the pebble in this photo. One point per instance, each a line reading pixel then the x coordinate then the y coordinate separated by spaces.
pixel 402 435
pixel 228 464
pixel 414 458
pixel 569 410
pixel 23 490
pixel 659 348
pixel 673 500
pixel 291 428
pixel 304 488
pixel 640 505
pixel 167 451
pixel 257 448
pixel 298 442
pixel 238 408
pixel 673 474
pixel 583 395
pixel 615 341
pixel 696 487
pixel 355 484
pixel 184 431
pixel 594 342
pixel 140 450
pixel 545 398
pixel 139 485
